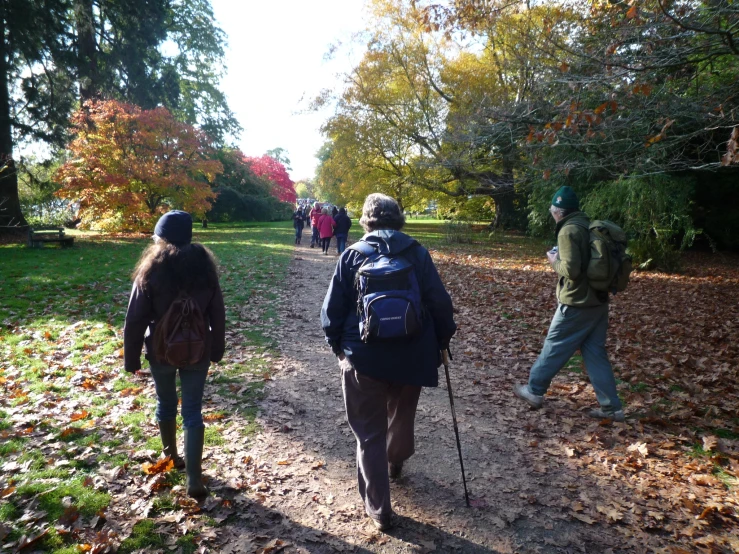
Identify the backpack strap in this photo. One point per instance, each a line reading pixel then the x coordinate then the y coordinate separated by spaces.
pixel 579 224
pixel 364 248
pixel 367 249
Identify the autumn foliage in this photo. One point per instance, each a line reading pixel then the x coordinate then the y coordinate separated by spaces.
pixel 274 171
pixel 127 166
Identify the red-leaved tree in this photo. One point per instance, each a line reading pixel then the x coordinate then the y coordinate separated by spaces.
pixel 268 168
pixel 128 166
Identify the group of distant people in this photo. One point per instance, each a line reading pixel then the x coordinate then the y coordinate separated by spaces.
pixel 325 223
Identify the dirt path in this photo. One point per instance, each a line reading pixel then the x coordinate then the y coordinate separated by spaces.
pixel 302 469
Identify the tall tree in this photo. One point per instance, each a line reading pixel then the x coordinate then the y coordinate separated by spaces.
pixel 57 54
pixel 451 114
pixel 34 99
pixel 156 52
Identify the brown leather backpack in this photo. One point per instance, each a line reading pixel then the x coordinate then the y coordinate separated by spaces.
pixel 179 339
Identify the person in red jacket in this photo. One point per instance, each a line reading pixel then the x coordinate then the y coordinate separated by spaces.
pixel 326 225
pixel 315 215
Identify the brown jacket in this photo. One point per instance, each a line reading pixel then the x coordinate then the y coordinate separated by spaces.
pixel 146 308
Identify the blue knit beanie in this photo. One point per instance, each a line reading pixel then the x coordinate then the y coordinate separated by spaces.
pixel 175 227
pixel 566 198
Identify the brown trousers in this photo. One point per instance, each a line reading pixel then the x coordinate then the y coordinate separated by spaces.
pixel 381 414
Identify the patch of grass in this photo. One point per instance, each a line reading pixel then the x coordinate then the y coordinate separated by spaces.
pixel 117 460
pixel 638 387
pixel 725 477
pixel 163 503
pixel 12 445
pixel 574 364
pixel 187 543
pixel 174 478
pixel 86 499
pixel 726 434
pixel 8 511
pixel 134 422
pixel 142 536
pixel 697 451
pixel 123 383
pixel 153 443
pixel 214 436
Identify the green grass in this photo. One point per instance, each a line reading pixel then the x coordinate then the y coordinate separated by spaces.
pixel 187 543
pixel 144 535
pixel 86 499
pixel 639 387
pixel 575 364
pixel 60 326
pixel 8 511
pixel 213 436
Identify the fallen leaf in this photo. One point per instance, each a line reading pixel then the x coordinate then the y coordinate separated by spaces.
pixel 79 415
pixel 710 442
pixel 640 447
pixel 160 466
pixel 583 518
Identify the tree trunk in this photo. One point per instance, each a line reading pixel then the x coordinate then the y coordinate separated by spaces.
pixel 11 215
pixel 508 203
pixel 505 210
pixel 86 50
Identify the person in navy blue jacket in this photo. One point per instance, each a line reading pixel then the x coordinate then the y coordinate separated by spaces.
pixel 382 381
pixel 343 224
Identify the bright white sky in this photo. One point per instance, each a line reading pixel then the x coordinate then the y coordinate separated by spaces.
pixel 276 58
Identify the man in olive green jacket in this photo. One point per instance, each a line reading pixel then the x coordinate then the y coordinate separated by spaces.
pixel 581 319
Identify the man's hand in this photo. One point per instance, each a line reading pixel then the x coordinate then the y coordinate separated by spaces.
pixel 552 257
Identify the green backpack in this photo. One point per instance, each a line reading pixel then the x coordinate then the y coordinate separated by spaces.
pixel 610 266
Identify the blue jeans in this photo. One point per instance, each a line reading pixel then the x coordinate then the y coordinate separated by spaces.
pixel 298 232
pixel 192 379
pixel 341 243
pixel 572 329
pixel 315 237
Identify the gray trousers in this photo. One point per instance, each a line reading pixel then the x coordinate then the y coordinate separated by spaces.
pixel 572 329
pixel 381 414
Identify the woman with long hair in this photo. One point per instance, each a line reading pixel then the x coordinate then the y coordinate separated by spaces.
pixel 170 269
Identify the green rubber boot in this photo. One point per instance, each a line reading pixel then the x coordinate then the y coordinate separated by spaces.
pixel 168 432
pixel 193 460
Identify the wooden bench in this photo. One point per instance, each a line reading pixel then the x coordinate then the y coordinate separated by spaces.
pixel 38 236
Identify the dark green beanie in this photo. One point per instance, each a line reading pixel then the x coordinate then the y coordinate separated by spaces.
pixel 566 198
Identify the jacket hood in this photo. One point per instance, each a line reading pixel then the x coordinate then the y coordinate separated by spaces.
pixel 389 241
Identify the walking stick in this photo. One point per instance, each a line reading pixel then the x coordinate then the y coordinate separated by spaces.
pixel 445 355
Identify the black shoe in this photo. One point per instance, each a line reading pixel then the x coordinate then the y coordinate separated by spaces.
pixel 194 439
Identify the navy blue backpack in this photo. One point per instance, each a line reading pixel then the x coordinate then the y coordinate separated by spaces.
pixel 389 298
